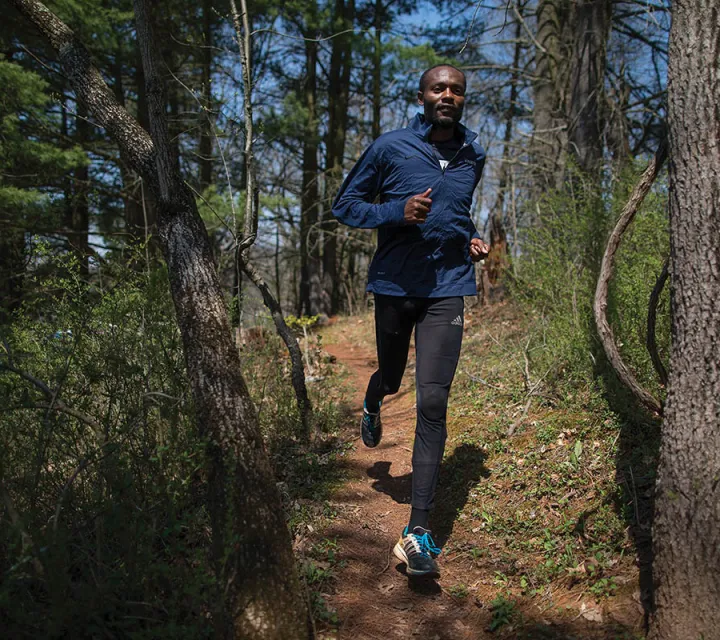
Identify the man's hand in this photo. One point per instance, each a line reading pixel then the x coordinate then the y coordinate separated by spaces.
pixel 417 207
pixel 478 249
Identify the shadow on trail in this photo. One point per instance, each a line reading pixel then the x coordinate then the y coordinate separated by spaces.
pixel 635 472
pixel 459 473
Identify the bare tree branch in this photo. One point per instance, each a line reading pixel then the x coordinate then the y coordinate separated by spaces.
pixel 605 332
pixel 242 33
pixel 55 403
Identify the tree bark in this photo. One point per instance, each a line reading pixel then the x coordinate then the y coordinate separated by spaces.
pixel 260 594
pixel 686 535
pixel 132 191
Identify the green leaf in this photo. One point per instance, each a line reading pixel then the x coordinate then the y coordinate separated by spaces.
pixel 578 449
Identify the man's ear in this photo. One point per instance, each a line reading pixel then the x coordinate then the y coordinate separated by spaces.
pixel 420 97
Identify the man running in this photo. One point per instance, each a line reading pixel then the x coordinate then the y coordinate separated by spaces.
pixel 415 185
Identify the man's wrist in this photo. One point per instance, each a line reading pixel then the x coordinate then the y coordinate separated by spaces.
pixel 396 212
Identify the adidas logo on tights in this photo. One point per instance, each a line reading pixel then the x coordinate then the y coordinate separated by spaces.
pixel 458 322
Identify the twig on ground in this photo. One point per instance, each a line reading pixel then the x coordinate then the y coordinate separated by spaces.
pixel 481 381
pixel 531 389
pixel 521 417
pixel 387 564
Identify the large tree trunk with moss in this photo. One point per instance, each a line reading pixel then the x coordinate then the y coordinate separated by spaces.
pixel 258 590
pixel 686 533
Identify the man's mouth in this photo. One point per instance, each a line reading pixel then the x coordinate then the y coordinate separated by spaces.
pixel 446 110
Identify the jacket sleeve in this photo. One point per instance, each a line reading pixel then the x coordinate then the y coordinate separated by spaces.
pixel 354 206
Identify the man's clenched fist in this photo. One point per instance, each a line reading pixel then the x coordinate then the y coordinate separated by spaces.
pixel 417 207
pixel 478 249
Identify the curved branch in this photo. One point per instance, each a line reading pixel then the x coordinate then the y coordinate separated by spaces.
pixel 298 371
pixel 605 332
pixel 651 343
pixel 241 25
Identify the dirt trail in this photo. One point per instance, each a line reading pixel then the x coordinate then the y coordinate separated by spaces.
pixel 374 598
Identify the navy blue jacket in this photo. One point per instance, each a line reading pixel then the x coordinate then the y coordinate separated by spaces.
pixel 429 260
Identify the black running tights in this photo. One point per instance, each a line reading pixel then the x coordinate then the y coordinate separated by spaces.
pixel 438 324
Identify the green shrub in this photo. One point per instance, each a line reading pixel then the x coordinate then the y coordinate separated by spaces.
pixel 556 276
pixel 103 526
pixel 105 473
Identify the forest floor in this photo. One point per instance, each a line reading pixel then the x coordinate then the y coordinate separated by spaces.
pixel 534 543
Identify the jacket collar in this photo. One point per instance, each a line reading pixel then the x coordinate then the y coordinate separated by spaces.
pixel 422 129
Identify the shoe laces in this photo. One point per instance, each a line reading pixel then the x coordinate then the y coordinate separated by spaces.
pixel 371 419
pixel 426 544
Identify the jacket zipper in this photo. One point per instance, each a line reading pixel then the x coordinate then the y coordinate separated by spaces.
pixel 457 153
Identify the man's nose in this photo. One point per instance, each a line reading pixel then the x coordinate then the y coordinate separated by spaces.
pixel 447 94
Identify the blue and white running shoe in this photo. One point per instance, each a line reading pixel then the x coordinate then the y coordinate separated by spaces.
pixel 371 427
pixel 417 550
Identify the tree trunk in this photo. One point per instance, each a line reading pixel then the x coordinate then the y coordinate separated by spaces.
pixel 131 191
pixel 338 107
pixel 686 533
pixel 550 133
pixel 497 260
pixel 586 107
pixel 259 593
pixel 309 200
pixel 140 218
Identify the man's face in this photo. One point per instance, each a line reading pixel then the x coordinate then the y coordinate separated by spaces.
pixel 443 97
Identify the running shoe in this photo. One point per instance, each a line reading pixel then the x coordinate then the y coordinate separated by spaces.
pixel 417 550
pixel 371 427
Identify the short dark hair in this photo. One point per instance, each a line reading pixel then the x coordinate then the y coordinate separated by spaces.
pixel 424 76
